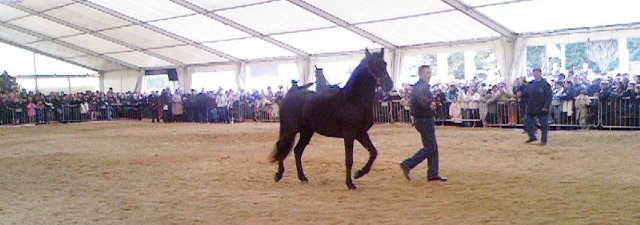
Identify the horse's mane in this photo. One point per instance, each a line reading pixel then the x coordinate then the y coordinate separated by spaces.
pixel 352 85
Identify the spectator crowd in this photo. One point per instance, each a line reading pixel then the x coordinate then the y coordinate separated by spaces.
pixel 467 103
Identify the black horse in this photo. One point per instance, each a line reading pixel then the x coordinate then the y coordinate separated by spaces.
pixel 347 114
pixel 322 85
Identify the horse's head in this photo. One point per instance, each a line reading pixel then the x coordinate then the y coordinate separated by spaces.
pixel 377 67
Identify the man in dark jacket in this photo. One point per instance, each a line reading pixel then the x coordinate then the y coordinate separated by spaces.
pixel 538 97
pixel 423 105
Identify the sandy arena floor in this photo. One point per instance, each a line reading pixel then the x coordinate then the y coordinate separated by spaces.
pixel 141 173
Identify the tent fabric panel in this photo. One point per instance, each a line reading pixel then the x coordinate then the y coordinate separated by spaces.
pixel 189 55
pixel 200 28
pixel 95 44
pixel 357 11
pixel 441 27
pixel 42 5
pixel 44 26
pixel 9 13
pixel 252 48
pixel 87 17
pixel 275 17
pixel 145 10
pixel 97 62
pixel 523 17
pixel 141 37
pixel 55 49
pixel 329 40
pixel 483 2
pixel 16 36
pixel 217 5
pixel 140 59
pixel 121 81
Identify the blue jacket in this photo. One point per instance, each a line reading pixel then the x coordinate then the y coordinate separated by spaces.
pixel 538 95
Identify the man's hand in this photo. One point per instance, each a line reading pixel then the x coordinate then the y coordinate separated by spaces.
pixel 544 109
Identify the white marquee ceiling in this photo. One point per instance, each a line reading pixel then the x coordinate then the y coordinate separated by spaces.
pixel 107 35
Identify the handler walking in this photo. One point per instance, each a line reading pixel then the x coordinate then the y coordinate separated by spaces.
pixel 422 106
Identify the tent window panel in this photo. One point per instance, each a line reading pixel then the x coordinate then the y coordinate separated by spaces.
pixel 212 81
pixel 82 84
pixel 56 84
pixel 28 83
pixel 153 83
pixel 410 65
pixel 271 75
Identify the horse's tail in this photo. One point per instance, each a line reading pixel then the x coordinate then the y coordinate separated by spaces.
pixel 281 150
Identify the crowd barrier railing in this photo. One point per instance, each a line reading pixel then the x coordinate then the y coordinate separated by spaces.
pixel 620 113
pixel 70 113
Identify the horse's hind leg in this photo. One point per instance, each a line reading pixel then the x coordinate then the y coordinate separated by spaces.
pixel 280 171
pixel 283 147
pixel 373 153
pixel 305 138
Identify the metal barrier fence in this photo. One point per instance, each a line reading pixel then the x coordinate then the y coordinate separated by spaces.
pixel 623 113
pixel 580 113
pixel 70 113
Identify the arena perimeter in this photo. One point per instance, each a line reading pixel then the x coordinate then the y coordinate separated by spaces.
pixel 128 172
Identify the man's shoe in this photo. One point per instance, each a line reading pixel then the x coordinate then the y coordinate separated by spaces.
pixel 531 140
pixel 437 178
pixel 543 143
pixel 405 171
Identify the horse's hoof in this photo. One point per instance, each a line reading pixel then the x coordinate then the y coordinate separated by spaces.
pixel 359 174
pixel 351 186
pixel 277 177
pixel 305 181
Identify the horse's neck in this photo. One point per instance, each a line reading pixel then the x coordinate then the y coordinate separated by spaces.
pixel 361 89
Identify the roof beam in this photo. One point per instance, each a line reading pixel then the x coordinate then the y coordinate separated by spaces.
pixel 480 17
pixel 65 44
pixel 159 30
pixel 127 18
pixel 238 26
pixel 45 16
pixel 48 55
pixel 342 23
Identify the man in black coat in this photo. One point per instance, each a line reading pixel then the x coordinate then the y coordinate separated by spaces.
pixel 537 96
pixel 423 105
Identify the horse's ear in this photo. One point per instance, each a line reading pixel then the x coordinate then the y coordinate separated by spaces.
pixel 382 53
pixel 315 67
pixel 366 52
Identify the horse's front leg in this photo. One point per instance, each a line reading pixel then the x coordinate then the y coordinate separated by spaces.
pixel 348 150
pixel 373 153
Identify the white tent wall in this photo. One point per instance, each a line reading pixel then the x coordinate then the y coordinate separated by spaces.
pixel 304 68
pixel 519 64
pixel 581 37
pixel 241 75
pixel 511 55
pixel 236 69
pixel 395 66
pixel 123 80
pixel 184 78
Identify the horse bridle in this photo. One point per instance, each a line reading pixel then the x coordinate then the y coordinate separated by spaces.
pixel 372 74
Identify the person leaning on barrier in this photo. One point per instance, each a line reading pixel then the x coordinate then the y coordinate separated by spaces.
pixel 423 106
pixel 538 96
pixel 582 103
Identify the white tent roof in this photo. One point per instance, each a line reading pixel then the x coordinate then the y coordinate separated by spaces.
pixel 106 35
